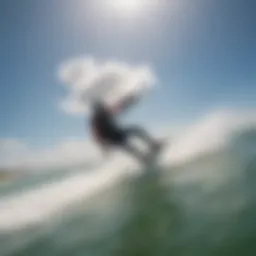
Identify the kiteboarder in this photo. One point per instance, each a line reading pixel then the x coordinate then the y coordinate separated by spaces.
pixel 108 133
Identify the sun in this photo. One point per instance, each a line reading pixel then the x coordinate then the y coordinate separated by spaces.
pixel 127 6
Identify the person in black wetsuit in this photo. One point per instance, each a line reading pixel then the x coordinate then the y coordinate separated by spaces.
pixel 108 132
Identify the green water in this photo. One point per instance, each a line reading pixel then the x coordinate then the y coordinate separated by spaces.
pixel 207 207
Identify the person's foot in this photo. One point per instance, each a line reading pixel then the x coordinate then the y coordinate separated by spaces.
pixel 157 145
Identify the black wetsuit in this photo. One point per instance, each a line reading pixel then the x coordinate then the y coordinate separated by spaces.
pixel 106 127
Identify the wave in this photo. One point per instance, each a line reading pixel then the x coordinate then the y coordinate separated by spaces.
pixel 214 133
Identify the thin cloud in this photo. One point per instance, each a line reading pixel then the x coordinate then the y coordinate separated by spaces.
pixel 15 154
pixel 12 152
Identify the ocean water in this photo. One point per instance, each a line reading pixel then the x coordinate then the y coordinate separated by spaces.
pixel 195 202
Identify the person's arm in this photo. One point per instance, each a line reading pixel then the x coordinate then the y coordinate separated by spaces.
pixel 124 104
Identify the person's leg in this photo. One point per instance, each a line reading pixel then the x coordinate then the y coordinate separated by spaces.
pixel 135 152
pixel 141 133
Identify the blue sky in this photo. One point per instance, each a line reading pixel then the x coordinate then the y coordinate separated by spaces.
pixel 203 52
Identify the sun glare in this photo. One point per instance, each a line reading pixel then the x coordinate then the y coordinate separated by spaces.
pixel 127 6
